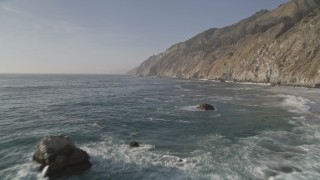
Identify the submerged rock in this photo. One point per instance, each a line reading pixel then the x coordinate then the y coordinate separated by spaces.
pixel 289 169
pixel 134 144
pixel 59 157
pixel 205 107
pixel 274 171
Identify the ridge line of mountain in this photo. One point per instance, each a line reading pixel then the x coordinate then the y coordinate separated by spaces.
pixel 280 47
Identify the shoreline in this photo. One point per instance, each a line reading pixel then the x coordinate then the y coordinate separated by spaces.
pixel 237 82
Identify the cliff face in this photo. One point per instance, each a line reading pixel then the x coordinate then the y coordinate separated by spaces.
pixel 280 46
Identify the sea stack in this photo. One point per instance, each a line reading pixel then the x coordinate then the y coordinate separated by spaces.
pixel 59 157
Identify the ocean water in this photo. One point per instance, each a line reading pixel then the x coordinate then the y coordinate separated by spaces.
pixel 256 131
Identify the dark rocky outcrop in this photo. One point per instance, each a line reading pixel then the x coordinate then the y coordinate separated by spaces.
pixel 59 157
pixel 274 171
pixel 277 47
pixel 134 144
pixel 289 169
pixel 205 107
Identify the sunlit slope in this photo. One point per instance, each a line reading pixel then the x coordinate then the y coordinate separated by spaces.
pixel 279 46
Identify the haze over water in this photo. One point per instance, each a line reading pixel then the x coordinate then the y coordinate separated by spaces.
pixel 256 131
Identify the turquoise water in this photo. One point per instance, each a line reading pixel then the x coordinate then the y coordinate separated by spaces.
pixel 256 131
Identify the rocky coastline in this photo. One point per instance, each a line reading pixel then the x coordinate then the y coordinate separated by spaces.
pixel 278 47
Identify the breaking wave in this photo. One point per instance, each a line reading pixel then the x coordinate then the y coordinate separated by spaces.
pixel 295 104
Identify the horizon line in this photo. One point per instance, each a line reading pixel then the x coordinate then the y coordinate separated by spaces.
pixel 1 73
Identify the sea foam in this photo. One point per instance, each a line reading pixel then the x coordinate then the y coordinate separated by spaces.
pixel 295 104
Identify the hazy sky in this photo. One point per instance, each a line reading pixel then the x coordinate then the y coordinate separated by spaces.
pixel 105 36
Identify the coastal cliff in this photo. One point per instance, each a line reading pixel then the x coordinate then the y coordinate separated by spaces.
pixel 279 47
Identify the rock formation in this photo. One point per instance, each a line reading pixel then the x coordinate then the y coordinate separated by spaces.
pixel 134 144
pixel 280 47
pixel 205 107
pixel 59 157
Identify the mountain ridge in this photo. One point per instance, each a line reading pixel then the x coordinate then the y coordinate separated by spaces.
pixel 278 47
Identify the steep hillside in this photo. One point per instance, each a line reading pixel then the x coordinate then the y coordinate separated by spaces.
pixel 280 47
